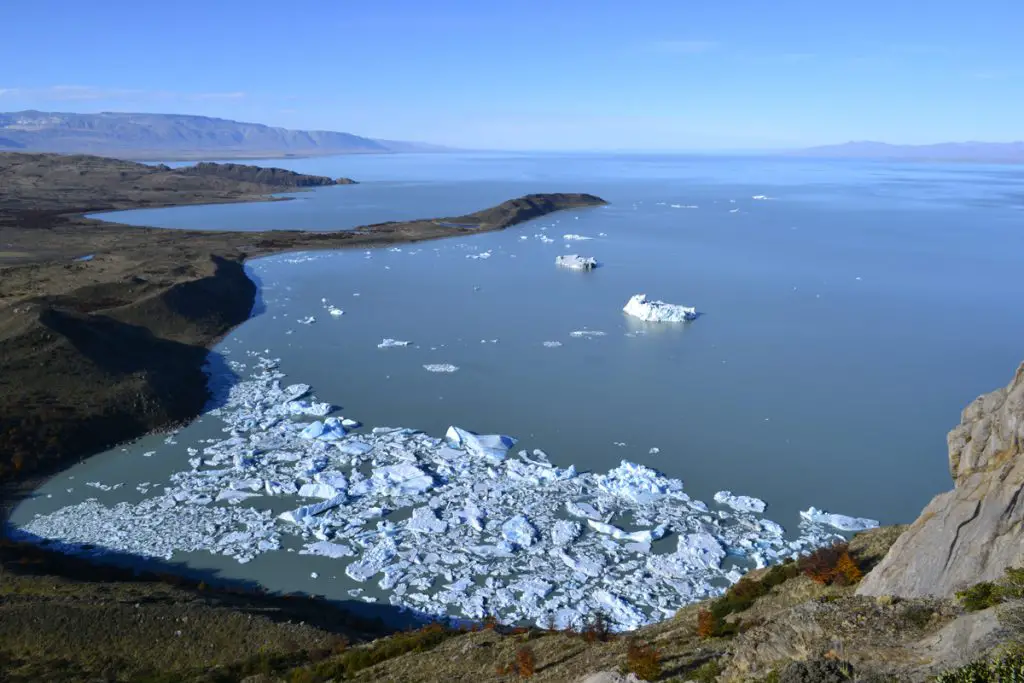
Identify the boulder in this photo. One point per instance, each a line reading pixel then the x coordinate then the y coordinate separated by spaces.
pixel 974 532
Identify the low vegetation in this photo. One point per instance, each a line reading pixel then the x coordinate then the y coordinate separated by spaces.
pixel 643 660
pixel 1004 669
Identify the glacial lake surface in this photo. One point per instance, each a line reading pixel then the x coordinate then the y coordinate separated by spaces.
pixel 848 312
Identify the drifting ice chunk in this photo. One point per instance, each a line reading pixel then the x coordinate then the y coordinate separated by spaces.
pixel 552 344
pixel 233 496
pixel 373 560
pixel 335 311
pixel 639 306
pixel 282 488
pixel 318 491
pixel 574 237
pixel 579 334
pixel 637 483
pixel 701 549
pixel 308 408
pixel 389 343
pixel 296 516
pixel 841 522
pixel 585 510
pixel 440 367
pixel 740 503
pixel 354 448
pixel 328 430
pixel 618 534
pixel 493 447
pixel 294 391
pixel 307 321
pixel 327 549
pixel 564 532
pixel 624 615
pixel 588 566
pixel 424 519
pixel 518 530
pixel 402 480
pixel 576 262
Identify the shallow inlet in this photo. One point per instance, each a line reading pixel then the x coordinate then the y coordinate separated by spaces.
pixel 820 301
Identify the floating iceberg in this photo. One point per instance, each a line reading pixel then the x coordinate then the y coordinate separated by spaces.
pixel 741 503
pixel 494 447
pixel 441 367
pixel 519 531
pixel 389 343
pixel 576 262
pixel 639 306
pixel 573 237
pixel 552 344
pixel 298 515
pixel 841 522
pixel 335 311
pixel 584 334
pixel 330 429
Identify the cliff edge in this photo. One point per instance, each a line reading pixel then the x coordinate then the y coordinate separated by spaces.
pixel 974 532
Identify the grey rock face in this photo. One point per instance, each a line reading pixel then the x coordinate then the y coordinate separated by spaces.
pixel 974 532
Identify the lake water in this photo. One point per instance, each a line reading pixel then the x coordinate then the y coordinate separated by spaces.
pixel 846 319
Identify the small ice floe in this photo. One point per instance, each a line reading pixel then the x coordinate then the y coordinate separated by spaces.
pixel 684 206
pixel 335 311
pixel 760 196
pixel 389 343
pixel 441 367
pixel 576 262
pixel 586 334
pixel 312 408
pixel 841 522
pixel 309 320
pixel 552 344
pixel 734 210
pixel 483 254
pixel 654 451
pixel 545 239
pixel 639 306
pixel 740 503
pixel 574 237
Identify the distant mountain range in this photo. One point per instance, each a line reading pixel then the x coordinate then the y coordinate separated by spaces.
pixel 995 152
pixel 177 136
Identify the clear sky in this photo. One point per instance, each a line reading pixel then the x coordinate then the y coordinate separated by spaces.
pixel 537 74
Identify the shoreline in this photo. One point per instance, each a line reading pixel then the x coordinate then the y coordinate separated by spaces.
pixel 163 297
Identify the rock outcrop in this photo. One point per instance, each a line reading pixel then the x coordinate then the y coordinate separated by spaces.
pixel 974 532
pixel 272 177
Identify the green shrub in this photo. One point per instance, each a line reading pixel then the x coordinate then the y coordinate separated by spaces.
pixel 1003 670
pixel 707 672
pixel 979 596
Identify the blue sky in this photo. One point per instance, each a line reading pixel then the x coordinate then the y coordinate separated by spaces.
pixel 538 74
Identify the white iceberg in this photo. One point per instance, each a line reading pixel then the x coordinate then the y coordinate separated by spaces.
pixel 330 429
pixel 518 530
pixel 576 262
pixel 441 367
pixel 297 515
pixel 639 306
pixel 401 480
pixel 841 522
pixel 389 343
pixel 740 503
pixel 574 237
pixel 493 447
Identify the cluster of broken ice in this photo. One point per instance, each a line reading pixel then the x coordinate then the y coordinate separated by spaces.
pixel 458 526
pixel 576 262
pixel 639 306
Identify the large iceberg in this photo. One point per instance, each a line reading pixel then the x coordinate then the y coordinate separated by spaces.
pixel 639 306
pixel 576 262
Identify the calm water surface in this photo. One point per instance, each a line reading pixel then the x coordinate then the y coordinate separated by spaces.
pixel 846 321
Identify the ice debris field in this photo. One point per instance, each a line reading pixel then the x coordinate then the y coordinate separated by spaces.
pixel 461 526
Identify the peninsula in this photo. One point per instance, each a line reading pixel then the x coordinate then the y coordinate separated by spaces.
pixel 104 327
